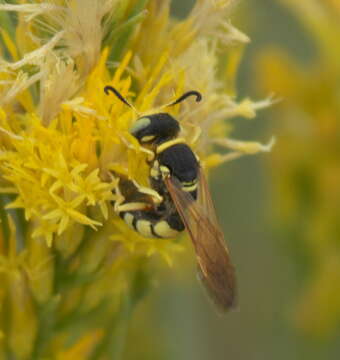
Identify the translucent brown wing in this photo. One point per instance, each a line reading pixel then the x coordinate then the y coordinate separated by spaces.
pixel 199 217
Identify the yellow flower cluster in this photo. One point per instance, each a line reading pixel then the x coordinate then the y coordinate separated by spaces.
pixel 58 159
pixel 67 261
pixel 307 165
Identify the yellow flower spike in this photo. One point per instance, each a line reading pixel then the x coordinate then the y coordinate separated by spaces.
pixel 99 72
pixel 215 160
pixel 149 99
pixel 122 67
pixel 64 143
pixel 83 147
pixel 154 73
pixel 246 147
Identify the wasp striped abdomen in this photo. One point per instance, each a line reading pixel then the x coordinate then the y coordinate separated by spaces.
pixel 158 221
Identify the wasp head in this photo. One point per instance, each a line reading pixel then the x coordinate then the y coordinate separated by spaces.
pixel 155 129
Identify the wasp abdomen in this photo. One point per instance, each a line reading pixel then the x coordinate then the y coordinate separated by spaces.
pixel 151 224
pixel 157 221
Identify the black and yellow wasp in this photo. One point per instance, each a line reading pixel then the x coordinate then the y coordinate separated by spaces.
pixel 178 179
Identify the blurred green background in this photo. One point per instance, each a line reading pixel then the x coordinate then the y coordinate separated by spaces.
pixel 182 323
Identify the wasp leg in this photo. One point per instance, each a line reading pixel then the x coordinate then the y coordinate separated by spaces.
pixel 132 147
pixel 129 198
pixel 130 191
pixel 131 206
pixel 156 197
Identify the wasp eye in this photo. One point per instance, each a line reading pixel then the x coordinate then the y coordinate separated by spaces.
pixel 140 124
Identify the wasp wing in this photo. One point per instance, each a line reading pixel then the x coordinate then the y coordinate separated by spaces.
pixel 199 217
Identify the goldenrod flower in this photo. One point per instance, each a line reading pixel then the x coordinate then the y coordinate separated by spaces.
pixel 306 168
pixel 71 269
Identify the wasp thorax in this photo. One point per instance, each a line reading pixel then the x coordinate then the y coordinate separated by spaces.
pixel 155 129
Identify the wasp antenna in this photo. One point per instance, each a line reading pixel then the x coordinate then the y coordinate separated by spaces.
pixel 186 95
pixel 108 89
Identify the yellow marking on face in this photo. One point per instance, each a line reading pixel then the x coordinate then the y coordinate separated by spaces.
pixel 163 229
pixel 144 228
pixel 140 124
pixel 128 218
pixel 147 138
pixel 168 144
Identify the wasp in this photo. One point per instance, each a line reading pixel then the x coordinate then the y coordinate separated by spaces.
pixel 184 201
